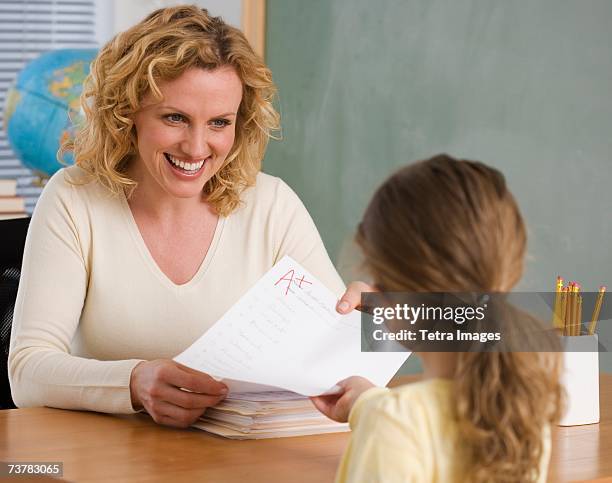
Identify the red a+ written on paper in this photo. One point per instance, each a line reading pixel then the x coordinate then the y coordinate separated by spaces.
pixel 291 277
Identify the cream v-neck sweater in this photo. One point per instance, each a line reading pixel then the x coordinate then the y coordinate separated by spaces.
pixel 92 302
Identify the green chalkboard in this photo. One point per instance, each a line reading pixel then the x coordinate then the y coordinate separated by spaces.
pixel 526 86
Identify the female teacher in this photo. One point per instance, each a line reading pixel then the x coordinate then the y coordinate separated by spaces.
pixel 162 224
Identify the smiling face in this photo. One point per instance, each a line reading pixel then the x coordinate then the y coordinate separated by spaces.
pixel 184 139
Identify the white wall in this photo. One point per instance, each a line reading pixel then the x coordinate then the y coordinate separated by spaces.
pixel 114 16
pixel 105 21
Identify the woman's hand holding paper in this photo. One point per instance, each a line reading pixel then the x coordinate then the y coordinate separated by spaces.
pixel 352 297
pixel 173 394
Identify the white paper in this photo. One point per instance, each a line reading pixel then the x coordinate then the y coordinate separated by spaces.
pixel 285 333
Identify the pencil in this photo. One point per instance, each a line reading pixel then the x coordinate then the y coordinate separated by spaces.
pixel 596 310
pixel 568 308
pixel 574 306
pixel 557 318
pixel 576 311
pixel 564 303
pixel 579 312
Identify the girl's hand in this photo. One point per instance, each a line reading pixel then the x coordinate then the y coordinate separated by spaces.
pixel 173 394
pixel 352 297
pixel 338 406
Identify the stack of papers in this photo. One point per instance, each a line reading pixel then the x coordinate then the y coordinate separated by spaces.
pixel 283 335
pixel 270 414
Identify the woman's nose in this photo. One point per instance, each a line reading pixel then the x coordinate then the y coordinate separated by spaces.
pixel 196 145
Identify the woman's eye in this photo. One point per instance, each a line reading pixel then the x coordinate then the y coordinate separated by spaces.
pixel 220 123
pixel 175 118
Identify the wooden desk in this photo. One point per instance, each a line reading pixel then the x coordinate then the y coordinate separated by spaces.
pixel 585 452
pixel 99 447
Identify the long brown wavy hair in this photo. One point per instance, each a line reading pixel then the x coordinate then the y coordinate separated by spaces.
pixel 447 225
pixel 161 47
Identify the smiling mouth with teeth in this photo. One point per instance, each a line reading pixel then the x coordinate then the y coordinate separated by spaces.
pixel 188 168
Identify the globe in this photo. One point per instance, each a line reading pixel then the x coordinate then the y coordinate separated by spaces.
pixel 43 109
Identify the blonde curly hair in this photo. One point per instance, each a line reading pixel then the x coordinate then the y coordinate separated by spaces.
pixel 161 47
pixel 447 225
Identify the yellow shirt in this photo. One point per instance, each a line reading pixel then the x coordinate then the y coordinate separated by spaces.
pixel 408 434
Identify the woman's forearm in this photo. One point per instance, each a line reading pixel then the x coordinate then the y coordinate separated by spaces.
pixel 45 377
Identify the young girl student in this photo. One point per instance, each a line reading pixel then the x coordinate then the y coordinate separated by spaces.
pixel 446 225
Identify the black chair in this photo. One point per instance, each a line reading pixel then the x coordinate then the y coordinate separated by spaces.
pixel 12 240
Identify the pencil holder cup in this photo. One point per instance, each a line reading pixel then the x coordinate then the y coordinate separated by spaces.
pixel 580 379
